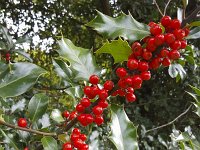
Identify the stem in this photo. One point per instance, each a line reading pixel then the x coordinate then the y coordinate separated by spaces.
pixel 171 122
pixel 26 129
pixel 166 7
pixel 154 1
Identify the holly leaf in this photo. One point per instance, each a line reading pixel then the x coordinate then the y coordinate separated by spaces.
pixel 124 25
pixel 119 49
pixel 49 143
pixel 37 106
pixel 194 33
pixel 123 132
pixel 18 78
pixel 82 62
pixel 175 69
pixel 56 115
pixel 18 106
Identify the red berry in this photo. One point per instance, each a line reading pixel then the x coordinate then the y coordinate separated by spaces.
pixel 82 119
pixel 145 75
pixel 129 90
pixel 120 92
pixel 155 63
pixel 187 31
pixel 85 102
pixel 130 97
pixel 175 24
pixel 108 85
pixel 143 66
pixel 176 45
pixel 94 79
pixel 147 55
pixel 89 118
pixel 137 49
pixel 73 115
pixel 166 62
pixel 22 122
pixel 97 110
pixel 155 30
pixel 151 45
pixel 83 137
pixel 165 21
pixel 80 108
pixel 164 53
pixel 132 64
pixel 103 103
pixel 174 54
pixel 121 72
pixel 122 84
pixel 137 80
pixel 67 146
pixel 78 143
pixel 159 39
pixel 152 24
pixel 87 90
pixel 169 38
pixel 183 44
pixel 26 148
pixel 65 114
pixel 128 81
pixel 76 131
pixel 103 94
pixel 98 120
pixel 179 34
pixel 84 147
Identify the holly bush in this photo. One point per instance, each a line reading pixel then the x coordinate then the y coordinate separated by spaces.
pixel 71 99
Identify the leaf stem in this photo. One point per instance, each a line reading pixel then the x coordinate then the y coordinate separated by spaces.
pixel 26 129
pixel 171 122
pixel 166 7
pixel 155 2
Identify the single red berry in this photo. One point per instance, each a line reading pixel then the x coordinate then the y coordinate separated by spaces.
pixel 83 137
pixel 143 66
pixel 183 44
pixel 155 30
pixel 187 31
pixel 128 81
pixel 89 118
pixel 73 115
pixel 121 83
pixel 145 75
pixel 174 54
pixel 120 92
pixel 176 45
pixel 84 147
pixel 132 64
pixel 169 38
pixel 166 62
pixel 108 85
pixel 22 122
pixel 76 131
pixel 94 79
pixel 152 24
pixel 175 24
pixel 103 103
pixel 137 49
pixel 151 46
pixel 87 90
pixel 165 21
pixel 26 148
pixel 121 72
pixel 137 80
pixel 147 55
pixel 103 94
pixel 78 143
pixel 94 92
pixel 130 97
pixel 145 40
pixel 129 90
pixel 67 146
pixel 74 137
pixel 80 108
pixel 82 119
pixel 164 53
pixel 97 110
pixel 155 63
pixel 85 102
pixel 98 120
pixel 159 39
pixel 65 114
pixel 179 34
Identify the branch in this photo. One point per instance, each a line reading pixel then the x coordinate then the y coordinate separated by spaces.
pixel 192 16
pixel 26 129
pixel 166 7
pixel 154 1
pixel 171 122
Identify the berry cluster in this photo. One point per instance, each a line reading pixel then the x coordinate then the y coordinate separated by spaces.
pixel 77 141
pixel 161 48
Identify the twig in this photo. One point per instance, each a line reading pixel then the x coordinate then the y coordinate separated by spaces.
pixel 154 1
pixel 171 122
pixel 192 16
pixel 166 7
pixel 26 129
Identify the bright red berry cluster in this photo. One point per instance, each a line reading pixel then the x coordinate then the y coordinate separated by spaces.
pixel 77 141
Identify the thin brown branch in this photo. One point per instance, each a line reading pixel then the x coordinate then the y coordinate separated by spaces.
pixel 166 6
pixel 26 129
pixel 193 15
pixel 171 122
pixel 155 2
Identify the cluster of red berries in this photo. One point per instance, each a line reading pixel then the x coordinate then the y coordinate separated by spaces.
pixel 161 48
pixel 77 141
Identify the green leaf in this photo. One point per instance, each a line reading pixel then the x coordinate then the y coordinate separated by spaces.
pixel 172 71
pixel 9 140
pixel 194 24
pixel 82 61
pixel 124 25
pixel 57 116
pixel 197 106
pixel 49 143
pixel 24 54
pixel 175 69
pixel 119 49
pixel 123 132
pixel 21 78
pixel 194 34
pixel 37 106
pixel 7 37
pixel 197 91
